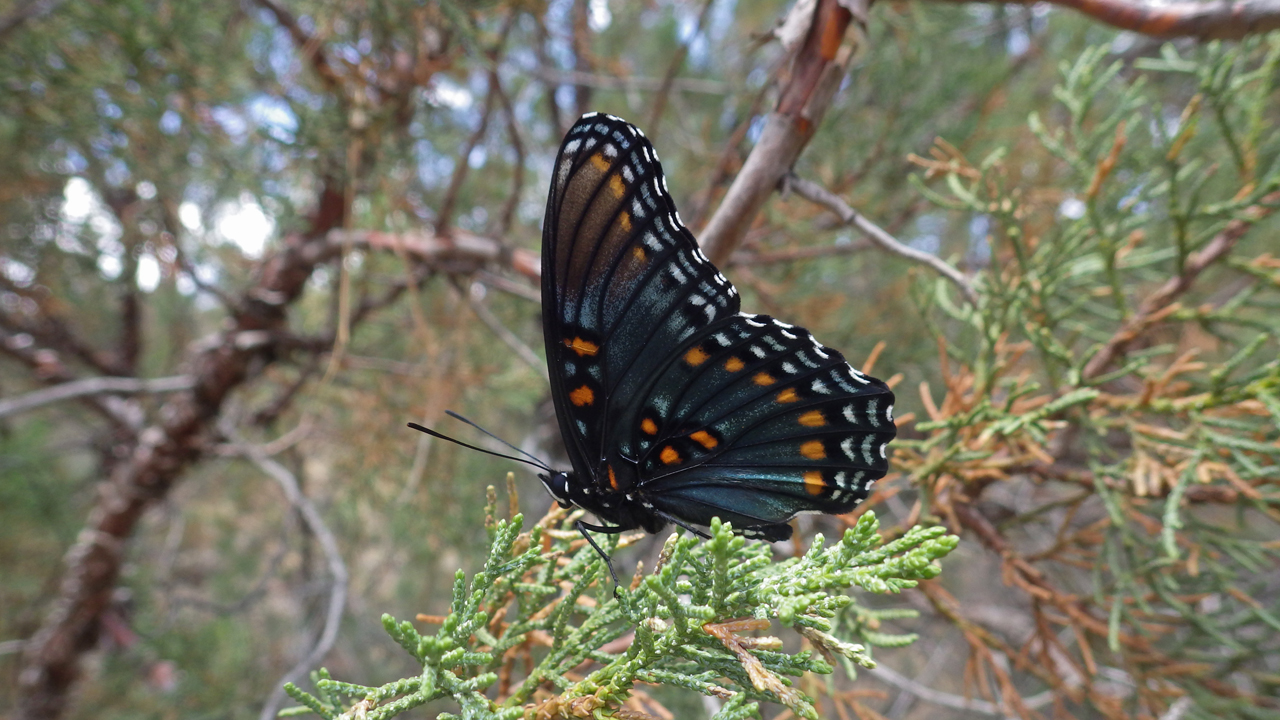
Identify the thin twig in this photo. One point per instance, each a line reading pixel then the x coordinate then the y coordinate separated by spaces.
pixel 511 339
pixel 677 61
pixel 509 286
pixel 93 386
pixel 445 217
pixel 887 674
pixel 308 46
pixel 583 58
pixel 815 193
pixel 627 84
pixel 799 253
pixel 1156 305
pixel 29 10
pixel 333 557
pixel 506 216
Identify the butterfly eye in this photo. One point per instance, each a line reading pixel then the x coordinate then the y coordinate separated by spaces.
pixel 557 483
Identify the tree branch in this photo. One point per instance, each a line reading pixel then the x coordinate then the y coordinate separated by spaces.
pixel 93 386
pixel 52 658
pixel 1229 20
pixel 816 72
pixel 47 365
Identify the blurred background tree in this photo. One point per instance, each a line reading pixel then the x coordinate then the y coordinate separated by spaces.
pixel 243 243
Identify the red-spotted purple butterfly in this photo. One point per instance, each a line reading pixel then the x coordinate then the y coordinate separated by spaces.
pixel 675 406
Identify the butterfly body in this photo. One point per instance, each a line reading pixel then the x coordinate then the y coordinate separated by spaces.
pixel 674 405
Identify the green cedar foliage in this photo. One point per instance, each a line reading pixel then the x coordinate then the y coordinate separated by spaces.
pixel 683 619
pixel 1169 445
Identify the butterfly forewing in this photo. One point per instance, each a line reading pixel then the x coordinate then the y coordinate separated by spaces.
pixel 673 404
pixel 621 275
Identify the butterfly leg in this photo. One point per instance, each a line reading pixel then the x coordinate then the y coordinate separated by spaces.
pixel 583 527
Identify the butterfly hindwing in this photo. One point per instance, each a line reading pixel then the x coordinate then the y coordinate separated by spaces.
pixel 763 422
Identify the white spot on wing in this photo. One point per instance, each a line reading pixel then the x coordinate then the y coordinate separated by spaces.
pixel 871 413
pixel 850 414
pixel 866 448
pixel 820 388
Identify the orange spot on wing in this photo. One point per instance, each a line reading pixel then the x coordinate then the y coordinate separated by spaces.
pixel 600 162
pixel 813 450
pixel 582 347
pixel 696 356
pixel 638 253
pixel 624 219
pixel 788 395
pixel 616 186
pixel 649 427
pixel 813 418
pixel 733 364
pixel 705 439
pixel 813 483
pixel 669 456
pixel 764 378
pixel 613 479
pixel 582 396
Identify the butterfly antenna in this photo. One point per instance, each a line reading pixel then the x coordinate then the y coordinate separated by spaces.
pixel 456 416
pixel 435 434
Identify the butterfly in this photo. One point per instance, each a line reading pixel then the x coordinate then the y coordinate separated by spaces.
pixel 675 406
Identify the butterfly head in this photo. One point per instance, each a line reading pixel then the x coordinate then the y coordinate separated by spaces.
pixel 558 484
